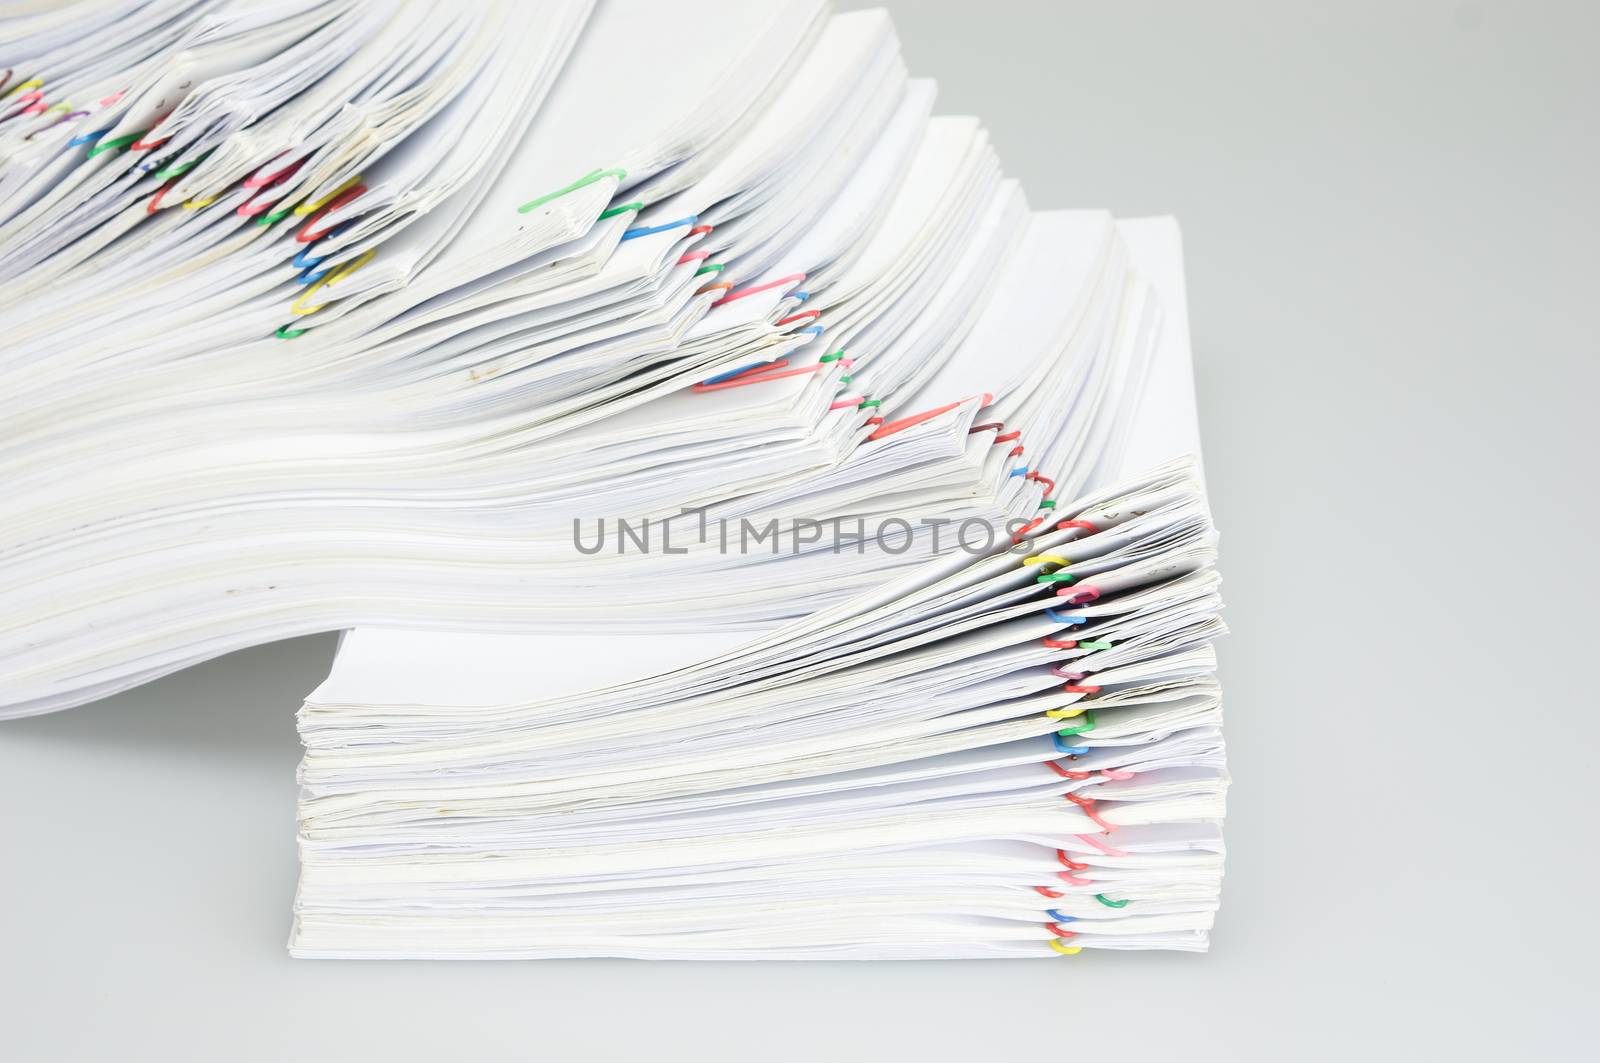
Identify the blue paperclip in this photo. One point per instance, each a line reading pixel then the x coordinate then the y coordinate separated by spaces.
pixel 311 278
pixel 646 230
pixel 1062 747
pixel 802 296
pixel 86 137
pixel 815 330
pixel 1055 914
pixel 301 261
pixel 1065 618
pixel 1021 471
pixel 730 374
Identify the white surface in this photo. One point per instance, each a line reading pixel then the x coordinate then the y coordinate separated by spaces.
pixel 1389 224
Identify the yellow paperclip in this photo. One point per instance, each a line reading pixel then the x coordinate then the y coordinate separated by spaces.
pixel 1065 950
pixel 1064 714
pixel 309 208
pixel 31 83
pixel 338 274
pixel 1052 559
pixel 197 204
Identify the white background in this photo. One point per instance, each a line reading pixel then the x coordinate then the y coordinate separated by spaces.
pixel 1391 235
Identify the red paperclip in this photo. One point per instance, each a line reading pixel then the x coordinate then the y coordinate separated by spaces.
pixel 701 229
pixel 305 235
pixel 1060 644
pixel 141 144
pixel 261 180
pixel 911 422
pixel 1045 891
pixel 155 200
pixel 1043 480
pixel 1073 689
pixel 1022 532
pixel 1067 862
pixel 1085 525
pixel 1065 774
pixel 1087 804
pixel 1015 433
pixel 984 427
pixel 802 315
pixel 761 375
pixel 1058 932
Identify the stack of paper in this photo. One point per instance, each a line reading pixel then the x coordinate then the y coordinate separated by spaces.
pixel 1013 755
pixel 687 419
pixel 319 320
pixel 1008 751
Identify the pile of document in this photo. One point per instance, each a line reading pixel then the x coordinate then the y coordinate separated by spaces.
pixel 1010 754
pixel 616 374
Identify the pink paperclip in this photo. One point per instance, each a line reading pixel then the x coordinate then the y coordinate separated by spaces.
pixel 793 278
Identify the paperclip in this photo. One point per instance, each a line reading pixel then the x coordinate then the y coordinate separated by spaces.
pixel 586 179
pixel 1094 840
pixel 115 143
pixel 1077 776
pixel 1068 863
pixel 311 208
pixel 793 278
pixel 634 234
pixel 911 422
pixel 1086 725
pixel 342 272
pixel 305 235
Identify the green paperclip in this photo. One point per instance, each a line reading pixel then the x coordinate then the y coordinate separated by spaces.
pixel 1094 645
pixel 1056 577
pixel 614 211
pixel 289 335
pixel 869 402
pixel 1048 503
pixel 834 357
pixel 711 267
pixel 1086 725
pixel 273 217
pixel 586 179
pixel 118 143
pixel 181 168
pixel 1101 897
